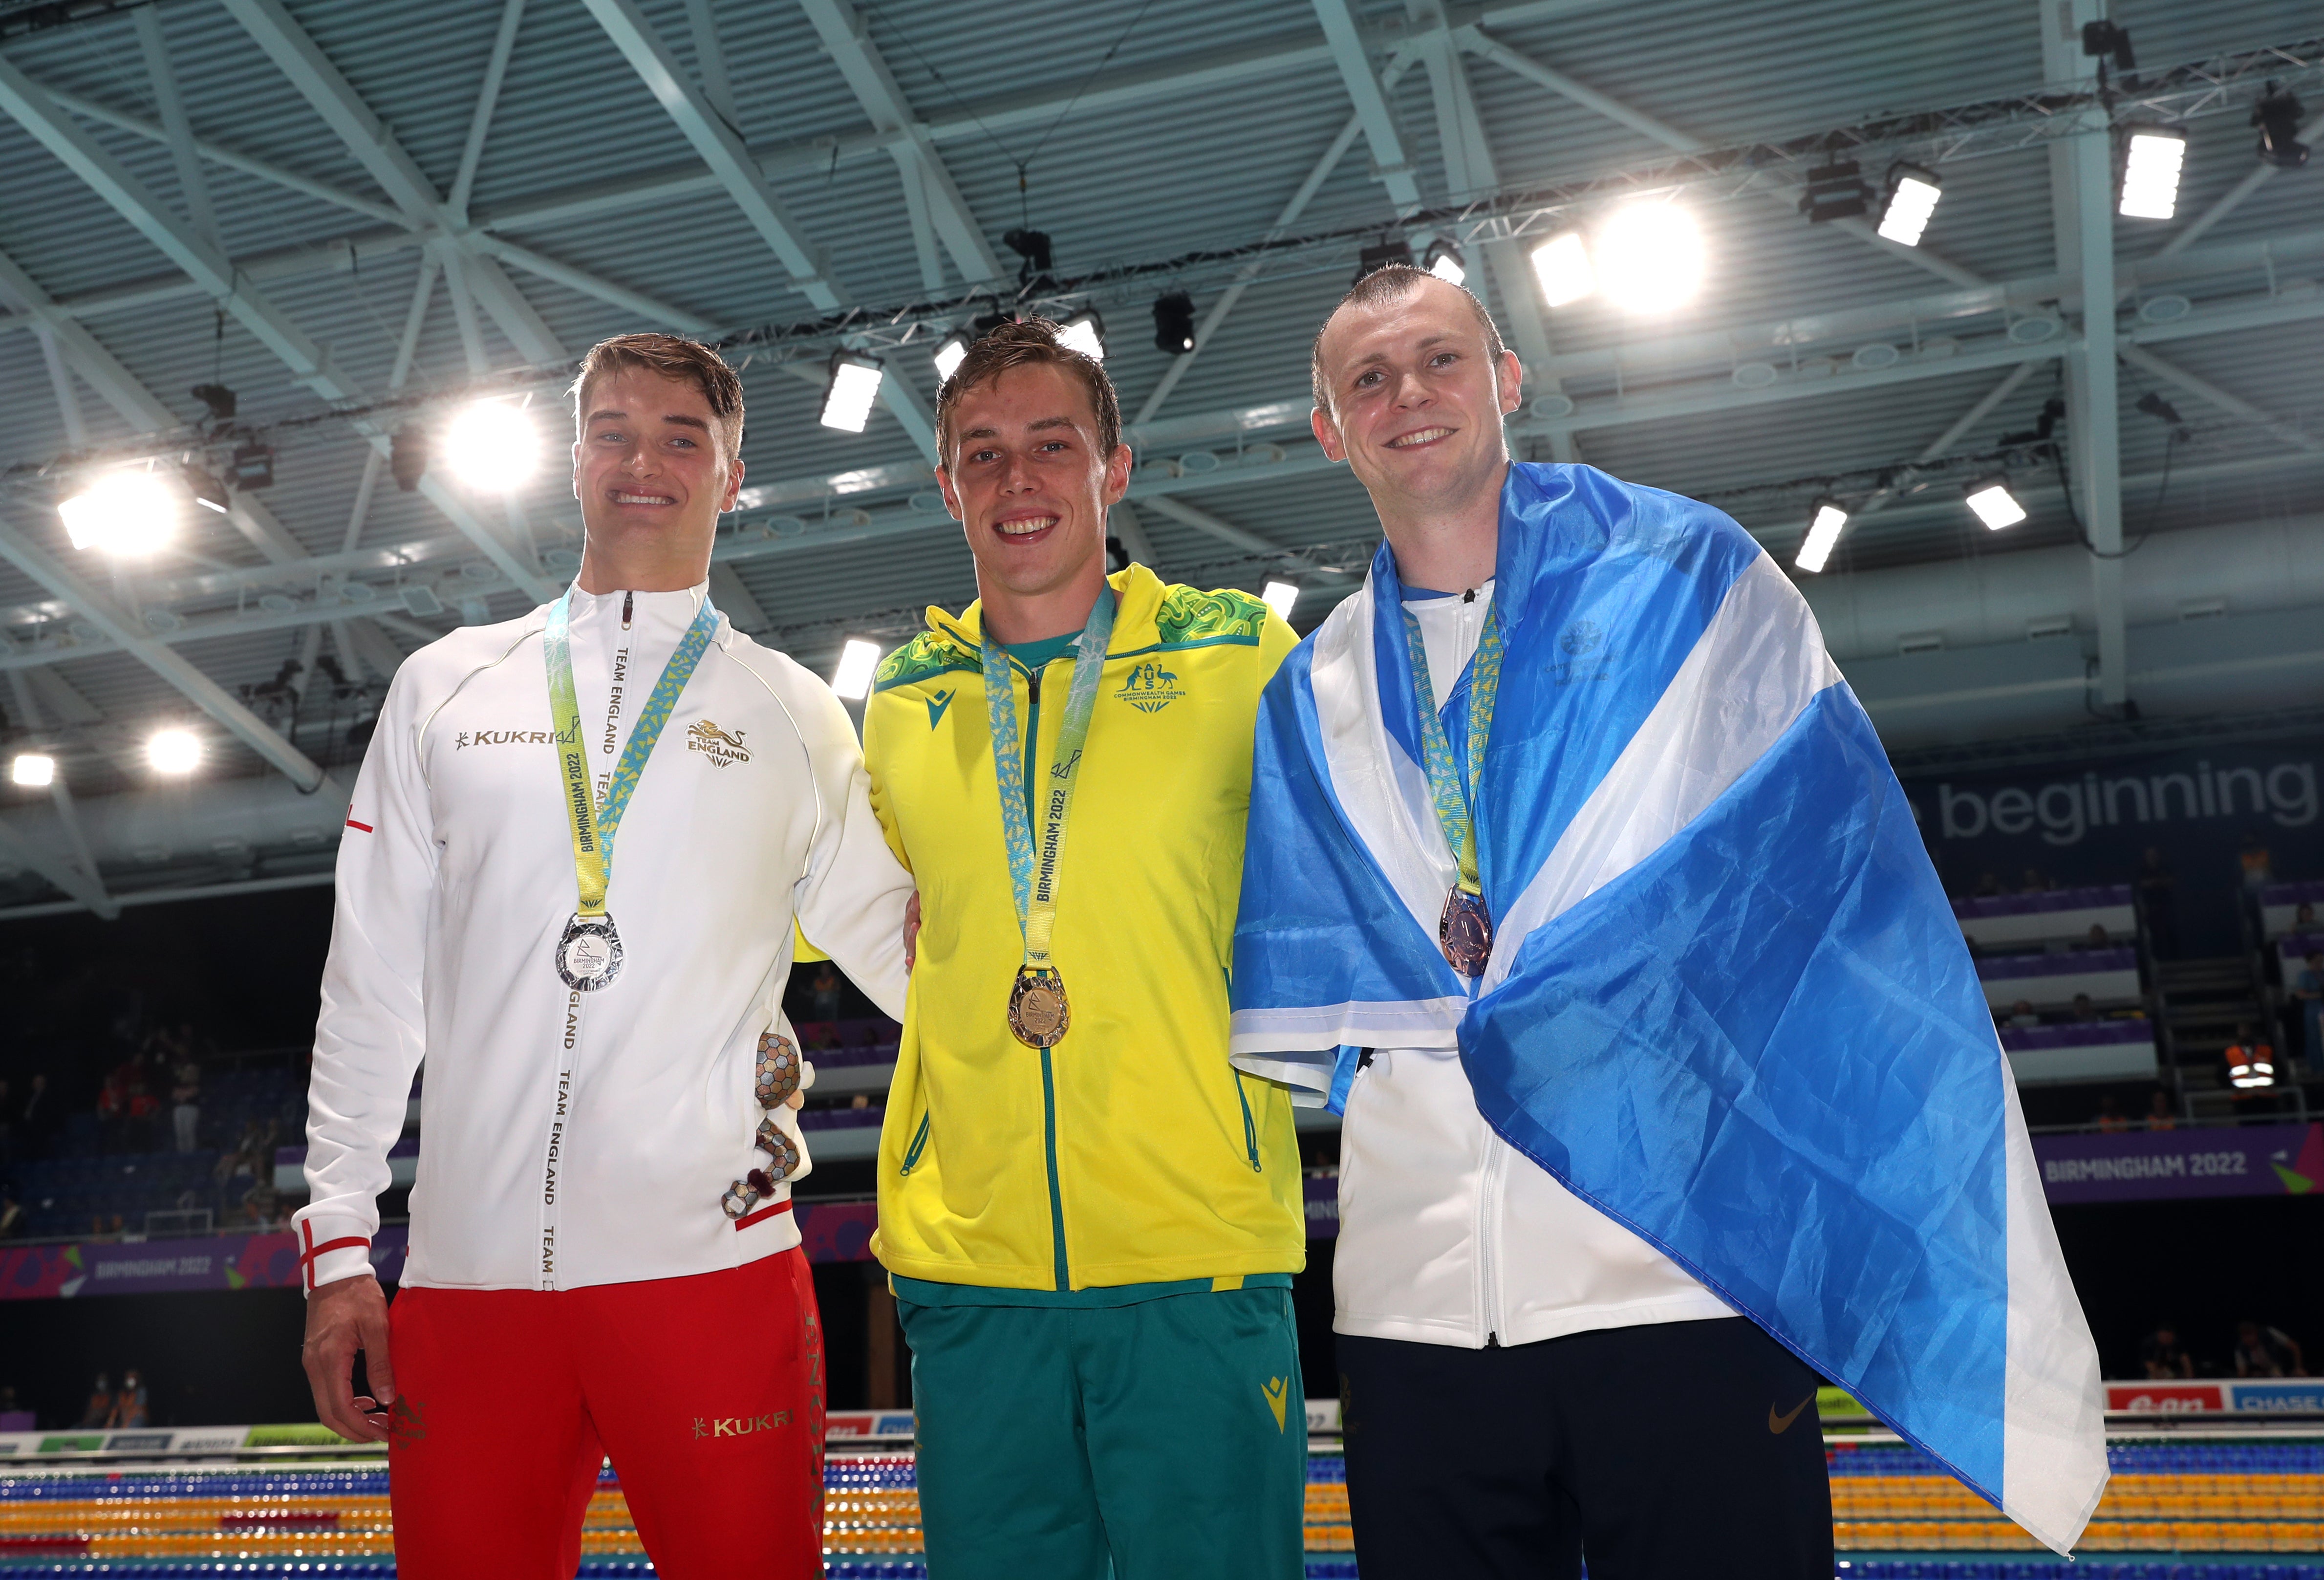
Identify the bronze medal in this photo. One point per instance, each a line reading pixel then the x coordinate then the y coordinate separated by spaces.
pixel 1037 1012
pixel 1465 933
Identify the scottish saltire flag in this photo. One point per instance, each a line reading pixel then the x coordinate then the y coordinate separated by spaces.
pixel 1727 1003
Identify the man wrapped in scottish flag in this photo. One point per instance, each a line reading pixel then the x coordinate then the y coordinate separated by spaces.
pixel 1578 882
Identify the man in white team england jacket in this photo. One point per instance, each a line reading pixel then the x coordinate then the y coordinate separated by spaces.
pixel 568 880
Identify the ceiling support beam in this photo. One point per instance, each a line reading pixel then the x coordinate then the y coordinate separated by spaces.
pixel 719 146
pixel 164 660
pixel 841 30
pixel 905 403
pixel 30 106
pixel 480 120
pixel 2081 190
pixel 1470 168
pixel 300 59
pixel 90 888
pixel 191 183
pixel 1227 532
pixel 1392 164
pixel 1215 316
pixel 1942 445
pixel 1486 47
pixel 60 383
pixel 1123 522
pixel 2202 389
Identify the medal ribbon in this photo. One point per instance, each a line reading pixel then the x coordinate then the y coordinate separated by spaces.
pixel 1452 793
pixel 1035 879
pixel 593 826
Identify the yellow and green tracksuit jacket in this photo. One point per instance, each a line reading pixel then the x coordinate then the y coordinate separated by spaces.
pixel 1132 1152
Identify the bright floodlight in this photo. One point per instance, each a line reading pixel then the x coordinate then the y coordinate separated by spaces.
pixel 1650 256
pixel 2150 173
pixel 1084 332
pixel 857 659
pixel 493 446
pixel 1823 531
pixel 1995 505
pixel 951 352
pixel 35 769
pixel 1444 262
pixel 122 513
pixel 1562 264
pixel 174 751
pixel 1912 194
pixel 1281 597
pixel 847 398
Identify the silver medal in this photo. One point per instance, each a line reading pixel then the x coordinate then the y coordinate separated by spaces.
pixel 589 954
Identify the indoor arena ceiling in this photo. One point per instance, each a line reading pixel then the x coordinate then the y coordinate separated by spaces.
pixel 360 216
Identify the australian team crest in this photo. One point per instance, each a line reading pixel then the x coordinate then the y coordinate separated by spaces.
pixel 1149 688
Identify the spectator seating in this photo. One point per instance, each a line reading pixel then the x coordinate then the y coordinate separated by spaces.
pixel 68 1196
pixel 2280 903
pixel 2088 1050
pixel 2060 915
pixel 2051 982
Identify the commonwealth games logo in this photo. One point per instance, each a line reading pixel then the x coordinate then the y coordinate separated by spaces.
pixel 1149 688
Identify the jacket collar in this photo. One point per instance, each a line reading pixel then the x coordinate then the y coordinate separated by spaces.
pixel 1137 599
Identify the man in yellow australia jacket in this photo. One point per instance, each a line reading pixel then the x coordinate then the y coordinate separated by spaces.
pixel 1090 1218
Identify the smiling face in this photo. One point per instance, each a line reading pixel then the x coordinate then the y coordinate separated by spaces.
pixel 1415 399
pixel 1030 485
pixel 652 468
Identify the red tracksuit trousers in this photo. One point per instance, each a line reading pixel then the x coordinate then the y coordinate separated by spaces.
pixel 705 1391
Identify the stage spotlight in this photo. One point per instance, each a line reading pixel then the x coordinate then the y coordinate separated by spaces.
pixel 2150 171
pixel 34 770
pixel 407 456
pixel 1380 255
pixel 1084 332
pixel 122 513
pixel 1826 517
pixel 173 751
pixel 2162 411
pixel 253 467
pixel 1444 260
pixel 854 386
pixel 852 679
pixel 951 352
pixel 217 399
pixel 1835 191
pixel 1912 194
pixel 1174 323
pixel 492 446
pixel 1033 247
pixel 1282 597
pixel 2278 119
pixel 1562 264
pixel 1995 505
pixel 208 491
pixel 1649 256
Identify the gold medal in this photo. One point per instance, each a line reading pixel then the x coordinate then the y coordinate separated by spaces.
pixel 1037 1012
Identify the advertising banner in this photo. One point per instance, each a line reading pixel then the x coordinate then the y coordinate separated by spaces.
pixel 2254 1160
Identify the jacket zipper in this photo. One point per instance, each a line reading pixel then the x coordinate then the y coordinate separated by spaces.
pixel 912 1153
pixel 1488 1260
pixel 1249 1130
pixel 1062 1268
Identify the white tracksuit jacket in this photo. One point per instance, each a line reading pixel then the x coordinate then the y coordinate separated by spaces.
pixel 572 1139
pixel 1448 1234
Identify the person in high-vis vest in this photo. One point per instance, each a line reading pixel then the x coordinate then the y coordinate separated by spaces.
pixel 604 1259
pixel 1090 1219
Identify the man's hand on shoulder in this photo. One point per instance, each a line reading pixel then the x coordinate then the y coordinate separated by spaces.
pixel 343 1317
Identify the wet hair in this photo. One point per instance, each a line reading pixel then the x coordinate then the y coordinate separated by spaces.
pixel 1393 282
pixel 670 357
pixel 1028 343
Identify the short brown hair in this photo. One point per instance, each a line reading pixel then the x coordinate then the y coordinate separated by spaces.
pixel 670 357
pixel 1028 343
pixel 1393 282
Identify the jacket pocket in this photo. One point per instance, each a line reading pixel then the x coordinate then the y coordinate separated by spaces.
pixel 919 1145
pixel 1249 1128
